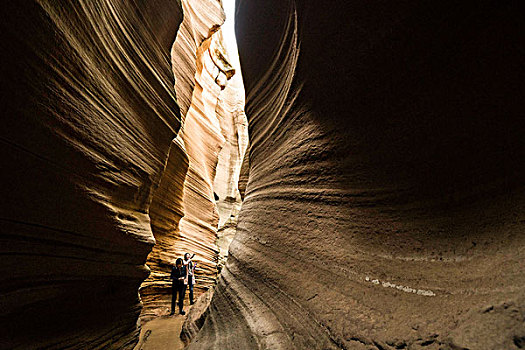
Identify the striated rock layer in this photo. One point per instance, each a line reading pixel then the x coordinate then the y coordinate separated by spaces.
pixel 202 137
pixel 94 176
pixel 174 198
pixel 385 200
pixel 208 152
pixel 166 210
pixel 234 128
pixel 88 117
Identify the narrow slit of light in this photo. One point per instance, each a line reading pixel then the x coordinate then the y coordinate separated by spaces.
pixel 228 32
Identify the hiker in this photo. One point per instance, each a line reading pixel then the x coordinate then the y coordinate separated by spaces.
pixel 178 275
pixel 190 274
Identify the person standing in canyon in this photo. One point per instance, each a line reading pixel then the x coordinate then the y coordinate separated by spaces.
pixel 190 274
pixel 178 276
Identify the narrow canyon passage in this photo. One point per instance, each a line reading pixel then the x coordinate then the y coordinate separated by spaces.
pixel 195 208
pixel 382 190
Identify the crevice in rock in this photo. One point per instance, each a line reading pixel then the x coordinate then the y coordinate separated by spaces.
pixel 195 207
pixel 382 195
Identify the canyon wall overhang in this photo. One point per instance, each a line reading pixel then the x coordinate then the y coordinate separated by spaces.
pixel 88 116
pixel 385 200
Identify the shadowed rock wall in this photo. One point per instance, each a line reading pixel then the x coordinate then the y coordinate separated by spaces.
pixel 88 117
pixel 385 200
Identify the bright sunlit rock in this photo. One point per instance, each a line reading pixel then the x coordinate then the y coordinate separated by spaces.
pixel 228 32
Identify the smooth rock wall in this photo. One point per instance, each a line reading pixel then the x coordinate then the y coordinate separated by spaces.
pixel 385 200
pixel 88 116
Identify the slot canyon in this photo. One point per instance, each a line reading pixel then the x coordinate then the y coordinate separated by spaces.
pixel 365 159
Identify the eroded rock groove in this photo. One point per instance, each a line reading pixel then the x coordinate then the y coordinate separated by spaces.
pixel 384 196
pixel 383 187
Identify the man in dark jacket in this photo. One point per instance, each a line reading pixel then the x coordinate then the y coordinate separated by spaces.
pixel 178 274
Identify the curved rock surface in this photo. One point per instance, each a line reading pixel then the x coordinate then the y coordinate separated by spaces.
pixel 234 127
pixel 385 200
pixel 88 116
pixel 208 151
pixel 166 210
pixel 384 186
pixel 203 139
pixel 185 189
pixel 94 175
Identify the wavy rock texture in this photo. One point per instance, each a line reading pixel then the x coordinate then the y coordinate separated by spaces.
pixel 196 317
pixel 234 127
pixel 384 207
pixel 201 19
pixel 166 210
pixel 208 125
pixel 203 139
pixel 208 153
pixel 89 113
pixel 244 173
pixel 179 194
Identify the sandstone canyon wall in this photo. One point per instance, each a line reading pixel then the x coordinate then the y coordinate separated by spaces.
pixel 186 219
pixel 384 193
pixel 166 210
pixel 88 117
pixel 96 171
pixel 234 127
pixel 385 202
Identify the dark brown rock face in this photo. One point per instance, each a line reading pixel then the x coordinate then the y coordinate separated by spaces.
pixel 385 200
pixel 88 116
